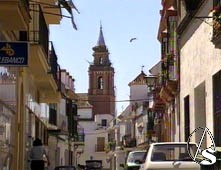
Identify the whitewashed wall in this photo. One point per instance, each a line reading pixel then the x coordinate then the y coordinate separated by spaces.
pixel 138 92
pixel 199 61
pixel 92 131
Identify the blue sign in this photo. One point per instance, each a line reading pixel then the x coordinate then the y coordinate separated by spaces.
pixel 14 53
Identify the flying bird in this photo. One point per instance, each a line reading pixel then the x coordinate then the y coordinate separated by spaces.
pixel 132 39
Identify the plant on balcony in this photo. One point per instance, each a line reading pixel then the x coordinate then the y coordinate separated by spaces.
pixel 132 142
pixel 217 14
pixel 129 142
pixel 216 21
pixel 110 146
pixel 170 59
pixel 163 75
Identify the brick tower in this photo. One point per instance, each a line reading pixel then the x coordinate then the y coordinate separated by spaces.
pixel 101 93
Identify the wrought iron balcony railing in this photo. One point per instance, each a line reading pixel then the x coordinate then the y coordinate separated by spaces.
pixel 55 68
pixel 80 138
pixel 25 3
pixel 39 33
pixel 110 146
pixel 168 68
pixel 129 142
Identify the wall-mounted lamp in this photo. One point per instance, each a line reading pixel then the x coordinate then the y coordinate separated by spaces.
pixel 151 81
pixel 140 128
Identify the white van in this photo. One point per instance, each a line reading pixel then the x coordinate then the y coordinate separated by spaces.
pixel 170 156
pixel 134 160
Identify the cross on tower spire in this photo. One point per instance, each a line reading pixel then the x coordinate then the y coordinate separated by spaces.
pixel 101 41
pixel 142 68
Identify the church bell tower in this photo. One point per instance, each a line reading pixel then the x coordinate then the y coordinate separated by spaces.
pixel 101 93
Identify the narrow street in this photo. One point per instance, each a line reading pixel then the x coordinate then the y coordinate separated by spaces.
pixel 110 85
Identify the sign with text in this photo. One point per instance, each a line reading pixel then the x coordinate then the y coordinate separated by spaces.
pixel 14 53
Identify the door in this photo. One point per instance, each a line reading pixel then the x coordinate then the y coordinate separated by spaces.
pixel 100 144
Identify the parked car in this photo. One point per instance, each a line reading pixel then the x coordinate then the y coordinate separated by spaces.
pixel 170 156
pixel 134 160
pixel 93 165
pixel 68 167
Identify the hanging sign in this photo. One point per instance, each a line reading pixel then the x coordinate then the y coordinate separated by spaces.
pixel 14 53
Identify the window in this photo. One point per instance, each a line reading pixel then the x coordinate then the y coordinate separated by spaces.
pixel 104 122
pixel 100 83
pixel 187 116
pixel 135 156
pixel 100 144
pixel 172 152
pixel 101 60
pixel 217 107
pixel 53 114
pixel 23 35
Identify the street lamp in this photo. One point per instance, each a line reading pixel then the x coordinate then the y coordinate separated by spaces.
pixel 151 82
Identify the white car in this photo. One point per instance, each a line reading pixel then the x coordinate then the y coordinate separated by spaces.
pixel 170 156
pixel 134 160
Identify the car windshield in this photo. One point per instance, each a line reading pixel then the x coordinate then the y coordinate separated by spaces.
pixel 136 157
pixel 172 152
pixel 93 164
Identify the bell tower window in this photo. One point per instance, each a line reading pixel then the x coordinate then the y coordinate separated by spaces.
pixel 101 60
pixel 100 83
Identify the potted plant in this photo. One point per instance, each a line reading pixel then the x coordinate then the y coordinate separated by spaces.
pixel 216 20
pixel 217 14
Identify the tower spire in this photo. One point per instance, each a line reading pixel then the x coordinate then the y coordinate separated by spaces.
pixel 101 41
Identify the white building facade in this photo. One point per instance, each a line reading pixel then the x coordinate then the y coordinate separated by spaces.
pixel 200 70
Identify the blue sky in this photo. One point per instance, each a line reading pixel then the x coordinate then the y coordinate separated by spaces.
pixel 121 21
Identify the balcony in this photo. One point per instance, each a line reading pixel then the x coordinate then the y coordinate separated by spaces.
pixel 158 104
pixel 14 15
pixel 55 68
pixel 52 11
pixel 43 59
pixel 169 79
pixel 110 146
pixel 129 142
pixel 79 139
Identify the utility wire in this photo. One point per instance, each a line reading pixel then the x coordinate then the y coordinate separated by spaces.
pixel 114 101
